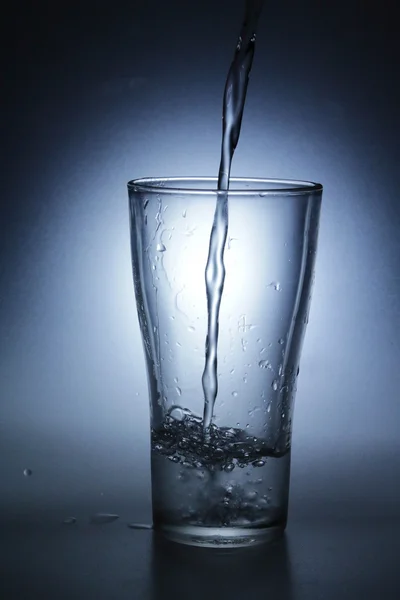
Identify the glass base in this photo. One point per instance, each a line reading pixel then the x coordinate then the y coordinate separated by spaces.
pixel 218 537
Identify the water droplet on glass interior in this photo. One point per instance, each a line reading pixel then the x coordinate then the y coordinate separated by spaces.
pixel 265 364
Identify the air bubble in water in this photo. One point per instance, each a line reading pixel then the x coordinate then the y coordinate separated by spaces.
pixel 27 472
pixel 274 385
pixel 178 413
pixel 174 459
pixel 229 467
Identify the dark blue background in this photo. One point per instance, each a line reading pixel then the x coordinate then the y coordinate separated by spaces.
pixel 96 94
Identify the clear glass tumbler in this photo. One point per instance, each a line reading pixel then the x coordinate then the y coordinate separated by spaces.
pixel 228 485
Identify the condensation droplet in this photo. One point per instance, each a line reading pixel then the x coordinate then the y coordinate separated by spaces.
pixel 161 247
pixel 184 214
pixel 258 463
pixel 69 521
pixel 274 385
pixel 281 341
pixel 191 328
pixel 280 370
pixel 232 371
pixel 234 394
pixel 178 391
pixel 276 285
pixel 269 408
pixel 27 472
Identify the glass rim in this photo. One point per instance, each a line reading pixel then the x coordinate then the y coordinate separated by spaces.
pixel 165 185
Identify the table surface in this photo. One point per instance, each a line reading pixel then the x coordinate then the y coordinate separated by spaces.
pixel 319 558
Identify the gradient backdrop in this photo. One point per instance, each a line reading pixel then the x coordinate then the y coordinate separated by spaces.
pixel 94 95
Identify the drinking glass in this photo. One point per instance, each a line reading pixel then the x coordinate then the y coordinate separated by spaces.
pixel 228 484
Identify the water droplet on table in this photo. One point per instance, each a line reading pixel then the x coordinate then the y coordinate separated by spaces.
pixel 103 518
pixel 140 526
